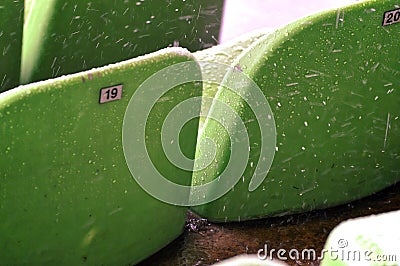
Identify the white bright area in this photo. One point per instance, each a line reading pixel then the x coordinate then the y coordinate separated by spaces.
pixel 242 16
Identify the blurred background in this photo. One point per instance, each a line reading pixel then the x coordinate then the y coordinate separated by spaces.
pixel 243 16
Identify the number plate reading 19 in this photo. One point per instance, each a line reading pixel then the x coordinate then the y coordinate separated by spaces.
pixel 391 17
pixel 111 94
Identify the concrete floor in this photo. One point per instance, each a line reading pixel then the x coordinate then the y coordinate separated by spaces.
pixel 204 243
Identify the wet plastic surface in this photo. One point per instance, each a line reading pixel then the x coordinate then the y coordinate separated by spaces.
pixel 67 196
pixel 11 16
pixel 335 118
pixel 204 243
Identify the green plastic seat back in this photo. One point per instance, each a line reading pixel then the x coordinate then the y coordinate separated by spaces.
pixel 331 81
pixel 67 195
pixel 11 16
pixel 68 37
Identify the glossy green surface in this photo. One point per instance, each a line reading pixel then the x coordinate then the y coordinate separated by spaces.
pixel 223 54
pixel 11 17
pixel 66 194
pixel 332 83
pixel 64 37
pixel 371 240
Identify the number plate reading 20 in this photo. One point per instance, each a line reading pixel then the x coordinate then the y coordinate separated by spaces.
pixel 111 94
pixel 391 17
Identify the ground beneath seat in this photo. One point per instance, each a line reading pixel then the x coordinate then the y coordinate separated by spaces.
pixel 204 243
